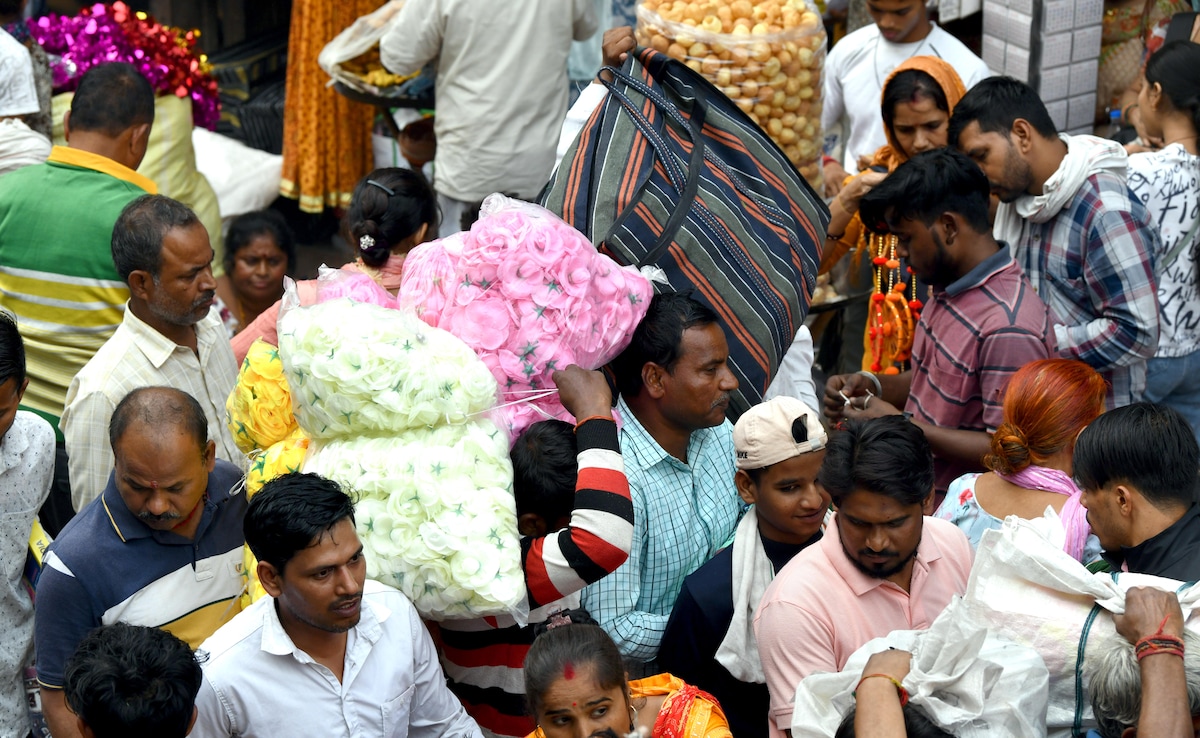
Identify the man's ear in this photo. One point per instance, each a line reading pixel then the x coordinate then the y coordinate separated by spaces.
pixel 950 227
pixel 745 487
pixel 927 504
pixel 67 126
pixel 210 456
pixel 270 579
pixel 139 140
pixel 1124 499
pixel 1022 135
pixel 652 379
pixel 139 284
pixel 192 722
pixel 531 524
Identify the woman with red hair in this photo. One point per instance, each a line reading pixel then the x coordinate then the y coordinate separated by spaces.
pixel 1046 404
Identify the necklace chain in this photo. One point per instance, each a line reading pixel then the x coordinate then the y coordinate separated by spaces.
pixel 875 54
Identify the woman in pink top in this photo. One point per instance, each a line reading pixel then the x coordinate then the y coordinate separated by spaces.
pixel 391 211
pixel 1046 404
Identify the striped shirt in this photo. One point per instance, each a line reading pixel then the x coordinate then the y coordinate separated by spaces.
pixel 108 566
pixel 1093 266
pixel 139 356
pixel 483 658
pixel 682 515
pixel 970 339
pixel 56 269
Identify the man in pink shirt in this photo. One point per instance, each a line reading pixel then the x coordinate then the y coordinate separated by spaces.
pixel 881 566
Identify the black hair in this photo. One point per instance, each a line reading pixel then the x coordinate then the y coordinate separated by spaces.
pixel 132 681
pixel 157 407
pixel 996 103
pixel 388 206
pixel 658 338
pixel 290 513
pixel 885 456
pixel 1150 447
pixel 138 234
pixel 545 467
pixel 910 86
pixel 578 645
pixel 12 350
pixel 924 187
pixel 111 98
pixel 245 228
pixel 916 725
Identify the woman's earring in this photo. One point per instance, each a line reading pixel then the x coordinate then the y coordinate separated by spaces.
pixel 632 718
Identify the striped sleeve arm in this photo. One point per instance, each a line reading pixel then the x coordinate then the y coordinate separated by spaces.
pixel 600 533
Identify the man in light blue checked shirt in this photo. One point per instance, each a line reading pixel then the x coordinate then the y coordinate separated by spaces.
pixel 674 381
pixel 1082 238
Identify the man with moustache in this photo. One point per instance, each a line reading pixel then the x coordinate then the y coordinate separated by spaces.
pixel 169 336
pixel 327 653
pixel 674 382
pixel 161 547
pixel 881 565
pixel 982 323
pixel 1082 238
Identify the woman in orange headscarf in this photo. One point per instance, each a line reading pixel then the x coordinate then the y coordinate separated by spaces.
pixel 918 98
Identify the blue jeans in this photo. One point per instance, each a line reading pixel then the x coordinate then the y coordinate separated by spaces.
pixel 1176 382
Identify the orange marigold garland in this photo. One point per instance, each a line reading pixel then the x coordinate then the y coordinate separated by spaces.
pixel 893 316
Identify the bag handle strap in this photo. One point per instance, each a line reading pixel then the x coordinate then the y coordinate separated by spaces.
pixel 1077 725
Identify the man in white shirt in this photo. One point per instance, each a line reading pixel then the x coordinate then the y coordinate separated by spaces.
pixel 169 336
pixel 860 63
pixel 327 653
pixel 501 89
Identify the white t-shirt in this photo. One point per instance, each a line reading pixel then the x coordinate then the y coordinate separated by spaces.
pixel 856 69
pixel 1168 182
pixel 501 86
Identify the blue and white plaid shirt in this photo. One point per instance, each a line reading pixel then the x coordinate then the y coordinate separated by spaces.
pixel 1092 264
pixel 682 515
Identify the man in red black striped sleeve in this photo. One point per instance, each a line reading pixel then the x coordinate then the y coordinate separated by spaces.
pixel 569 541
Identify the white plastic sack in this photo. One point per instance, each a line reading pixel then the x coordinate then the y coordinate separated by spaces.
pixel 245 179
pixel 1025 587
pixel 358 39
pixel 972 683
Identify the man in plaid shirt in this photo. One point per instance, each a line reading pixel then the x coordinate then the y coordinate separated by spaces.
pixel 1083 240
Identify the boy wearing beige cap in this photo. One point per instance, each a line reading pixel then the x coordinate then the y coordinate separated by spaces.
pixel 709 641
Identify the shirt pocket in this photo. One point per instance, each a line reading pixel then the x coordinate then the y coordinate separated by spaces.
pixel 395 714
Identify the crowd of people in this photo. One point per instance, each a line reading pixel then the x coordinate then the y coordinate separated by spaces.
pixel 1030 352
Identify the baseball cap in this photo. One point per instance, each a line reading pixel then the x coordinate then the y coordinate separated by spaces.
pixel 775 431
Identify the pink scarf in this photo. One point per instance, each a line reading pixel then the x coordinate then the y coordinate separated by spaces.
pixel 1073 515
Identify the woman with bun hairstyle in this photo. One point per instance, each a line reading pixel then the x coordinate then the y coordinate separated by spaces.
pixel 575 686
pixel 1046 404
pixel 392 211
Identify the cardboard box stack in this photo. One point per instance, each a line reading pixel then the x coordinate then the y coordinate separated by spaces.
pixel 1054 45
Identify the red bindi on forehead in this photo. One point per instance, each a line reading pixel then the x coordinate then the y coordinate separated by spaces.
pixel 568 671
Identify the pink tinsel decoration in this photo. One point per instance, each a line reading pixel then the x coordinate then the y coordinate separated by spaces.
pixel 165 56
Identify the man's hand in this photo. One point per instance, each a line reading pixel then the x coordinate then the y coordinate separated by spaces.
pixel 835 175
pixel 1145 610
pixel 850 385
pixel 892 662
pixel 616 45
pixel 583 393
pixel 870 407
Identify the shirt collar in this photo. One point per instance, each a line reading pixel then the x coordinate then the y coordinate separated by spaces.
pixel 860 583
pixel 277 642
pixel 14 444
pixel 1157 554
pixel 982 271
pixel 128 528
pixel 88 160
pixel 156 347
pixel 644 451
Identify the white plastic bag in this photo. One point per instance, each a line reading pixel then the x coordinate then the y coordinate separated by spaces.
pixel 1025 587
pixel 341 56
pixel 970 682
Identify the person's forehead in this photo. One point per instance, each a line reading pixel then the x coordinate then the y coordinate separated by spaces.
pixel 183 243
pixel 870 507
pixel 802 466
pixel 331 547
pixel 702 343
pixel 894 6
pixel 973 136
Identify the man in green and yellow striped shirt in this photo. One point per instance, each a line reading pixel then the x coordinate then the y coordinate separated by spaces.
pixel 56 220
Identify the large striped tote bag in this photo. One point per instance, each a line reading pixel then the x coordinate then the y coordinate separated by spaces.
pixel 669 172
